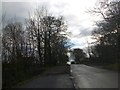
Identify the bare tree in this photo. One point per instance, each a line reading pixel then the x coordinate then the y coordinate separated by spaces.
pixel 108 30
pixel 47 33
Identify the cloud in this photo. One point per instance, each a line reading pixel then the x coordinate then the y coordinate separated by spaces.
pixel 79 22
pixel 81 42
pixel 16 10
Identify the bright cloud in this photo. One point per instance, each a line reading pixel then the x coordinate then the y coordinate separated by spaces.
pixel 82 42
pixel 79 22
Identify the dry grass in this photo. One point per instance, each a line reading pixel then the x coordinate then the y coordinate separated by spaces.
pixel 114 67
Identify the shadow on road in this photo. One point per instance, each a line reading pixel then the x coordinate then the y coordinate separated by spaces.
pixel 54 77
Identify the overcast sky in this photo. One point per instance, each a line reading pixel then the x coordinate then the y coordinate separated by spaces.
pixel 80 23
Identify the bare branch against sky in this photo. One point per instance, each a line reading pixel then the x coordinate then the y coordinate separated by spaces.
pixel 79 22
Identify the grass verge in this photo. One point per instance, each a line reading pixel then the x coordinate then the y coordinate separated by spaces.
pixel 113 67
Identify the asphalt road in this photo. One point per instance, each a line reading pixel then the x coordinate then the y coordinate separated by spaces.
pixel 91 77
pixel 50 81
pixel 54 77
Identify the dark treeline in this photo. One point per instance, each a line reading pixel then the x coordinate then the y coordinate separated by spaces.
pixel 80 55
pixel 106 49
pixel 107 33
pixel 27 49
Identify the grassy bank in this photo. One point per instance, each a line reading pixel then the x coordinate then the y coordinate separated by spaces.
pixel 114 67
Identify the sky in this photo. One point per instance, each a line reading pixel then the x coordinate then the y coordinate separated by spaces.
pixel 80 22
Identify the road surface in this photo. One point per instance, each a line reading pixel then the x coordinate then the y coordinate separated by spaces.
pixel 50 81
pixel 56 77
pixel 91 77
